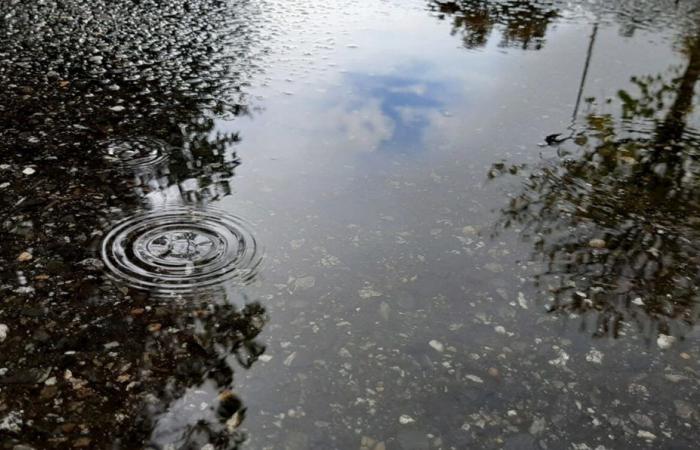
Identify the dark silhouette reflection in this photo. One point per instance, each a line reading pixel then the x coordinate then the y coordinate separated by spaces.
pixel 520 23
pixel 614 215
pixel 107 107
pixel 197 403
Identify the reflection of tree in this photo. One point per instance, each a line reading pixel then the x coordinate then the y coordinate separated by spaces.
pixel 201 356
pixel 521 23
pixel 615 219
pixel 76 75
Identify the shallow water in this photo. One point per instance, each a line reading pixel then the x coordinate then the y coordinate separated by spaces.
pixel 351 224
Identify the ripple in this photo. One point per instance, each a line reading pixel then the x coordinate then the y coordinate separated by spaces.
pixel 180 250
pixel 135 152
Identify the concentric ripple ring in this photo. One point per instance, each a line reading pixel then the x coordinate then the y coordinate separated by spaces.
pixel 180 250
pixel 135 152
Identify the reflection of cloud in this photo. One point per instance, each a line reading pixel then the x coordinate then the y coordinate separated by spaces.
pixel 184 412
pixel 366 126
pixel 389 112
pixel 417 89
pixel 410 115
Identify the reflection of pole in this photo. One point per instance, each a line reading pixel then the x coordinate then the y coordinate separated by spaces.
pixel 589 53
pixel 554 139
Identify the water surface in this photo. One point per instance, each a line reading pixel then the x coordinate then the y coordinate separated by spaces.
pixel 349 224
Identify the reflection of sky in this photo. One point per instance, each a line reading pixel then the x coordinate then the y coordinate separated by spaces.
pixel 391 112
pixel 410 88
pixel 324 167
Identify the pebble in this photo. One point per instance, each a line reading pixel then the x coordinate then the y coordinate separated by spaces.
pixel 24 257
pixel 93 264
pixel 646 435
pixel 594 356
pixel 561 360
pixel 675 378
pixel 11 422
pixel 474 378
pixel 642 420
pixel 521 300
pixel 437 345
pixel 538 426
pixel 665 341
pixel 82 442
pixel 368 292
pixel 289 359
pixel 406 419
pixel 304 283
pixel 29 171
pixel 368 443
pixel 684 410
pixel 597 243
pixel 469 231
pixel 4 330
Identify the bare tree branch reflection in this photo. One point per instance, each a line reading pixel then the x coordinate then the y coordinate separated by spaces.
pixel 614 215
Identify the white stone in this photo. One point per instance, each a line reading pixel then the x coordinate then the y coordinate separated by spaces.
pixel 561 360
pixel 406 419
pixel 594 356
pixel 646 435
pixel 521 300
pixel 665 341
pixel 437 345
pixel 474 378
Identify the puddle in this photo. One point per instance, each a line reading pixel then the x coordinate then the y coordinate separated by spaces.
pixel 480 222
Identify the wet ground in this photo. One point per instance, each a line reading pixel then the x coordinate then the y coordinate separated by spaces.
pixel 349 224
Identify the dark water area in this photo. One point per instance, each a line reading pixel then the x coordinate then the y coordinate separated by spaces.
pixel 350 224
